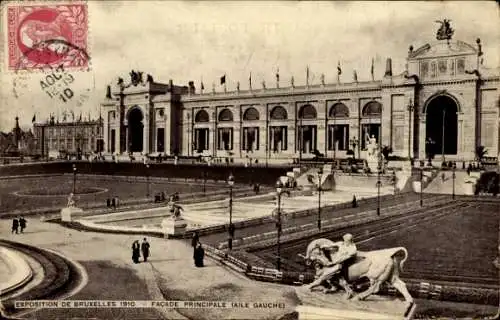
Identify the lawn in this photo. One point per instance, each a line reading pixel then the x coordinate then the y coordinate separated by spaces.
pixel 52 191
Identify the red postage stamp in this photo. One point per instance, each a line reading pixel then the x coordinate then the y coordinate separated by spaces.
pixel 47 35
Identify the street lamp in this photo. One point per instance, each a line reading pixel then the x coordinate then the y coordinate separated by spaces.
pixel 354 142
pixel 421 186
pixel 279 189
pixel 394 181
pixel 74 179
pixel 320 173
pixel 147 177
pixel 379 169
pixel 453 177
pixel 230 182
pixel 410 108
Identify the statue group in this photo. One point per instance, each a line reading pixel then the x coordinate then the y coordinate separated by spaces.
pixel 335 269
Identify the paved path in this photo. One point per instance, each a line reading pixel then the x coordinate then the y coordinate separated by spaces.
pixel 170 274
pixel 446 187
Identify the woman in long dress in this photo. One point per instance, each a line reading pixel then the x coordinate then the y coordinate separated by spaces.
pixel 136 251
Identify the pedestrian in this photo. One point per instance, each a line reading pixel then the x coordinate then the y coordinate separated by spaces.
pixel 136 251
pixel 354 201
pixel 22 224
pixel 108 202
pixel 113 203
pixel 195 240
pixel 443 176
pixel 199 255
pixel 15 225
pixel 145 249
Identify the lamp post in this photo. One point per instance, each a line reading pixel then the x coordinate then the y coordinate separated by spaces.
pixel 453 177
pixel 410 108
pixel 74 179
pixel 147 177
pixel 204 181
pixel 230 182
pixel 279 189
pixel 394 180
pixel 421 186
pixel 354 142
pixel 379 168
pixel 320 173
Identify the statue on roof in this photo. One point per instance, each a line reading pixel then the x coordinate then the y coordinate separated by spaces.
pixel 135 77
pixel 445 32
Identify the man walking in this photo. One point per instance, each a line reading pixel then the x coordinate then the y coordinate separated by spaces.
pixel 22 224
pixel 145 249
pixel 15 225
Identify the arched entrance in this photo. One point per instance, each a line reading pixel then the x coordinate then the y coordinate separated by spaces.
pixel 135 130
pixel 441 126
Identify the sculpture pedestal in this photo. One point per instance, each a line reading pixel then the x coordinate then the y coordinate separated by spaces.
pixel 173 226
pixel 68 212
pixel 318 305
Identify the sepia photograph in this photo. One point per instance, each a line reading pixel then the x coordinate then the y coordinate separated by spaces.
pixel 264 160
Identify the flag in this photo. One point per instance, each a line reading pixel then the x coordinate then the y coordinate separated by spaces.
pixel 223 79
pixel 250 80
pixel 34 118
pixel 278 74
pixel 202 86
pixel 339 71
pixel 373 68
pixel 355 76
pixel 307 75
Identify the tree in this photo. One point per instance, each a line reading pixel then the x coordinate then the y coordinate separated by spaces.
pixel 480 153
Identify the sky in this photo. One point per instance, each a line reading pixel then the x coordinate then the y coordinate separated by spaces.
pixel 203 40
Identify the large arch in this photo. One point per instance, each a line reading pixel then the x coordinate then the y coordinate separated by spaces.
pixel 307 112
pixel 201 116
pixel 135 130
pixel 441 125
pixel 225 115
pixel 339 110
pixel 278 113
pixel 251 114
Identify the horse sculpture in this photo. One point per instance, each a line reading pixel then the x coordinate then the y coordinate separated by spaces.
pixel 378 266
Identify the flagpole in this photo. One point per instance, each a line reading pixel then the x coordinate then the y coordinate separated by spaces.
pixel 307 76
pixel 250 81
pixel 225 83
pixel 372 71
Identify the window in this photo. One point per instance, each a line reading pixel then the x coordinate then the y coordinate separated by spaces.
pixel 226 115
pixel 338 137
pixel 424 69
pixel 433 69
pixel 307 112
pixel 201 139
pixel 201 116
pixel 160 140
pixel 442 66
pixel 339 110
pixel 251 114
pixel 250 139
pixel 461 66
pixel 278 113
pixel 225 139
pixel 372 109
pixel 278 138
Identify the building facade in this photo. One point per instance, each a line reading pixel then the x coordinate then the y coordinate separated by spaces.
pixel 76 137
pixel 445 102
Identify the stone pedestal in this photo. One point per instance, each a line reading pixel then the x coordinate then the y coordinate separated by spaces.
pixel 173 226
pixel 469 188
pixel 318 305
pixel 417 186
pixel 68 212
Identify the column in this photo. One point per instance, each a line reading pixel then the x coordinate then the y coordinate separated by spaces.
pixel 421 141
pixel 117 125
pixel 105 134
pixel 145 136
